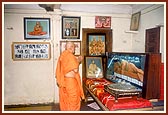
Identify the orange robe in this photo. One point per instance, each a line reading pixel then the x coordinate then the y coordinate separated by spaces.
pixel 37 31
pixel 70 89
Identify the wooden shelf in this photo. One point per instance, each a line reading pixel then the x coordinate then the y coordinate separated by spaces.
pixel 134 32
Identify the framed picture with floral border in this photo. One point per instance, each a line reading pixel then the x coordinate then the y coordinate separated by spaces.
pixel 36 28
pixel 77 47
pixel 70 27
pixel 94 67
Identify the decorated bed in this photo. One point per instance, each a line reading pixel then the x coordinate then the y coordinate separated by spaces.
pixel 107 102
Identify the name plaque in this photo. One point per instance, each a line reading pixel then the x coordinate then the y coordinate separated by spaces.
pixel 31 51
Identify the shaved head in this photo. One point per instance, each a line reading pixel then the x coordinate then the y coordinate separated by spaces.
pixel 70 46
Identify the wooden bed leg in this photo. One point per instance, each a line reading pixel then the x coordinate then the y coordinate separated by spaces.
pixel 86 99
pixel 139 95
pixel 116 98
pixel 116 101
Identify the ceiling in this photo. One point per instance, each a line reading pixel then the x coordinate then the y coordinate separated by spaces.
pixel 83 7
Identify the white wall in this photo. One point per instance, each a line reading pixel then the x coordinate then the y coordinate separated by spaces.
pixel 25 81
pixel 150 17
pixel 31 82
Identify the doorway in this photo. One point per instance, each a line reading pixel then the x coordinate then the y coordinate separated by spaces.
pixel 152 40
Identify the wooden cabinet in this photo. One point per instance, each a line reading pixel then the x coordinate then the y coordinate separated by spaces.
pixel 151 84
pixel 152 42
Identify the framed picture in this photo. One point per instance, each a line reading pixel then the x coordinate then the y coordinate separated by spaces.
pixel 36 28
pixel 77 47
pixel 96 44
pixel 102 22
pixel 31 51
pixel 94 68
pixel 70 27
pixel 135 21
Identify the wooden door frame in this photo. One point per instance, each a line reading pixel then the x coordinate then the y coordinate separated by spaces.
pixel 85 32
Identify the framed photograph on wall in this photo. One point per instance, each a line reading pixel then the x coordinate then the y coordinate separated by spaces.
pixel 36 28
pixel 77 47
pixel 102 22
pixel 70 27
pixel 96 44
pixel 94 68
pixel 135 21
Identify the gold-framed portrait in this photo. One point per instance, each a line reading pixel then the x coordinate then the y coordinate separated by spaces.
pixel 94 67
pixel 96 44
pixel 135 19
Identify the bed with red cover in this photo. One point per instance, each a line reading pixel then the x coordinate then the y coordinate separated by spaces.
pixel 96 87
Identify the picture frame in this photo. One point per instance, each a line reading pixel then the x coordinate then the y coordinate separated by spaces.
pixel 31 51
pixel 102 21
pixel 96 43
pixel 77 47
pixel 135 19
pixel 94 67
pixel 36 28
pixel 70 27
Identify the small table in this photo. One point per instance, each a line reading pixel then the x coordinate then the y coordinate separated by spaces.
pixel 120 89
